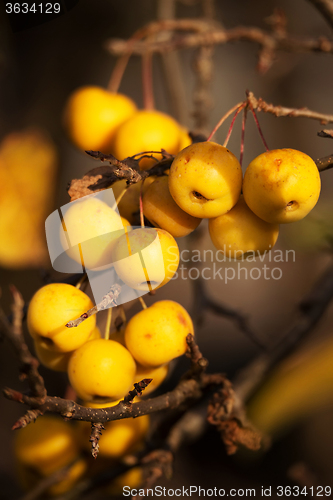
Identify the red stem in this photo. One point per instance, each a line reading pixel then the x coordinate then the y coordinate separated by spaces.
pixel 224 117
pixel 242 136
pixel 232 124
pixel 258 126
pixel 147 80
pixel 142 220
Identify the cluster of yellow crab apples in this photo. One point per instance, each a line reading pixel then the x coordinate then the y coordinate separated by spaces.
pixel 101 371
pixel 205 181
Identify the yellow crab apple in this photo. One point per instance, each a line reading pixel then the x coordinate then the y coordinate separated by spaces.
pixel 29 477
pixel 281 185
pixel 75 472
pixel 129 204
pixel 119 436
pixel 156 335
pixel 146 258
pixel 240 231
pixel 101 369
pixel 92 115
pixel 89 231
pixel 48 443
pixel 51 308
pixel 133 478
pixel 162 211
pixel 44 447
pixel 58 361
pixel 157 375
pixel 147 130
pixel 126 224
pixel 205 180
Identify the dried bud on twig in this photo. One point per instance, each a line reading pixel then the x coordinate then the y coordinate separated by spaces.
pixel 96 432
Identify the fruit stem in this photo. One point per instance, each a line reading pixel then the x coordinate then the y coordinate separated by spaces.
pixel 224 117
pixel 144 305
pixel 108 324
pixel 122 314
pixel 142 220
pixel 242 136
pixel 238 110
pixel 147 80
pixel 81 280
pixel 258 126
pixel 121 64
pixel 119 198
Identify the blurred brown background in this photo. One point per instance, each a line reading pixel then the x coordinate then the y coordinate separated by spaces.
pixel 42 65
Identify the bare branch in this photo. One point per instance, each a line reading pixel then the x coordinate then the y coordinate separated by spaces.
pixel 206 34
pixel 261 105
pixel 28 365
pixel 190 388
pixel 324 163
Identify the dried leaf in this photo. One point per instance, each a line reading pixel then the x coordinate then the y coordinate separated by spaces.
pixel 234 434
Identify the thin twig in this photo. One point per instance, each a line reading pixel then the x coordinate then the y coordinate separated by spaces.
pixel 109 300
pixel 28 365
pixel 261 105
pixel 271 41
pixel 173 71
pixel 203 68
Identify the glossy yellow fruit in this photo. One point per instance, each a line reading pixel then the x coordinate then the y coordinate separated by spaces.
pixel 162 211
pixel 28 164
pixel 240 232
pixel 157 374
pixel 119 437
pixel 90 229
pixel 146 258
pixel 51 308
pixel 101 369
pixel 205 180
pixel 46 445
pixel 58 361
pixel 133 478
pixel 300 386
pixel 282 185
pixel 156 335
pixel 129 204
pixel 147 131
pixel 92 115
